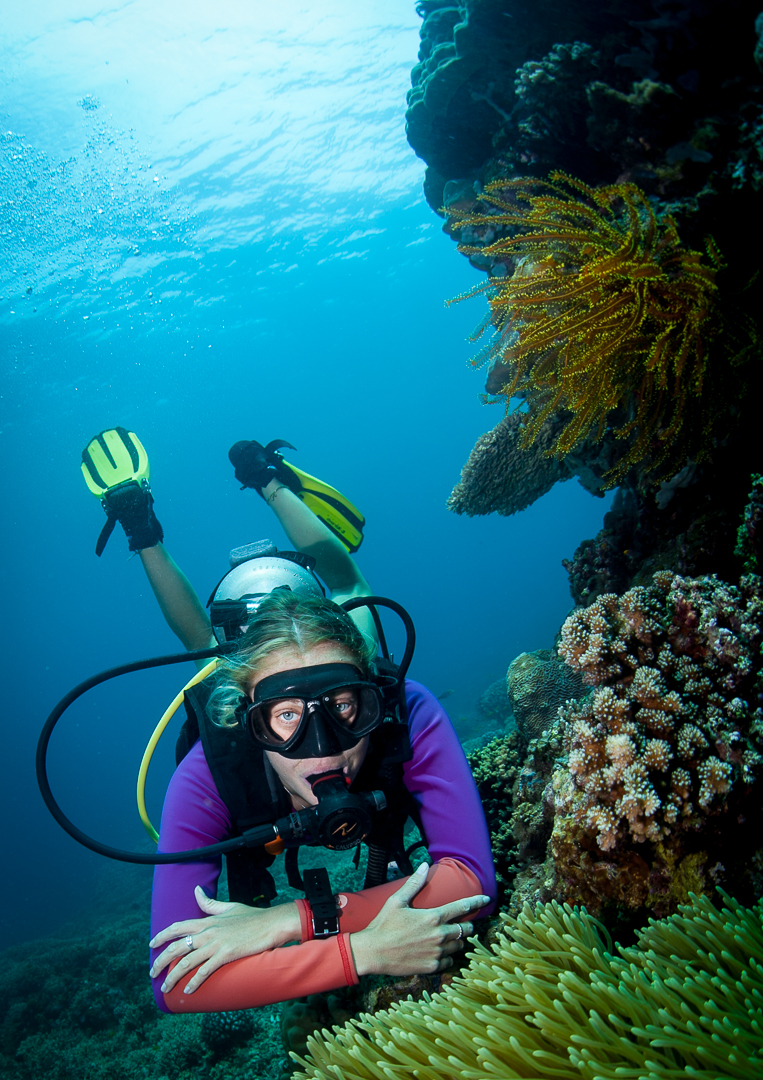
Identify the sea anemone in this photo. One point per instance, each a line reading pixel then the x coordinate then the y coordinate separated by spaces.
pixel 550 1000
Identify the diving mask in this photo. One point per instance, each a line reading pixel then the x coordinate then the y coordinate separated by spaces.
pixel 313 712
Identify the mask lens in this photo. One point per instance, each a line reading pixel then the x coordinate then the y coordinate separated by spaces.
pixel 276 722
pixel 296 713
pixel 355 708
pixel 343 706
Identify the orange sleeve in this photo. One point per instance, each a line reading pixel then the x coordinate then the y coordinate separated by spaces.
pixel 276 975
pixel 447 880
pixel 314 966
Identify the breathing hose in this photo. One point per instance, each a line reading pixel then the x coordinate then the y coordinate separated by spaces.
pixel 196 854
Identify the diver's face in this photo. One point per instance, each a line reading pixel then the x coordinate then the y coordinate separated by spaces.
pixel 293 771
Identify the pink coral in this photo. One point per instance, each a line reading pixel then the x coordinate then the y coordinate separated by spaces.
pixel 669 739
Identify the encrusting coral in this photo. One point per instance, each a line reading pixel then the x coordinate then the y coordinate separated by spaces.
pixel 660 789
pixel 538 683
pixel 494 703
pixel 603 317
pixel 501 477
pixel 550 1000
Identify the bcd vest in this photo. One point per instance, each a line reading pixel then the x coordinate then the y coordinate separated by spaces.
pixel 254 795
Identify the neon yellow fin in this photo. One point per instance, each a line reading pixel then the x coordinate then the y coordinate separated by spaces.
pixel 113 457
pixel 335 510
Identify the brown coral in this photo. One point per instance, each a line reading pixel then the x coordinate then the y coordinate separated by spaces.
pixel 500 477
pixel 670 742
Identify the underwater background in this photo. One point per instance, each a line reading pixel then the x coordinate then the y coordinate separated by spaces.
pixel 246 221
pixel 213 229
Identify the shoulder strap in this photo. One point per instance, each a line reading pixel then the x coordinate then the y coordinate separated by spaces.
pixel 245 782
pixel 383 768
pixel 239 770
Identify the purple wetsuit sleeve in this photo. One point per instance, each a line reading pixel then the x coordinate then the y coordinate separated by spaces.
pixel 439 778
pixel 193 816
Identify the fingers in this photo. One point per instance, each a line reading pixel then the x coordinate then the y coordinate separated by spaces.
pixel 201 974
pixel 177 932
pixel 206 903
pixel 172 952
pixel 413 885
pixel 182 968
pixel 206 961
pixel 453 911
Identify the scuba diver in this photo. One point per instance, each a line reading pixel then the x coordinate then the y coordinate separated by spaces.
pixel 305 733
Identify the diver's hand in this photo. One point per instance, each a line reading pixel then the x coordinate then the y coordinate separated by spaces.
pixel 256 465
pixel 229 932
pixel 132 505
pixel 403 940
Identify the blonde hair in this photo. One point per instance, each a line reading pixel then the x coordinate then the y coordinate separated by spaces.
pixel 284 620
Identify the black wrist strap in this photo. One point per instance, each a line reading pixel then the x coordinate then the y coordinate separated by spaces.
pixel 322 903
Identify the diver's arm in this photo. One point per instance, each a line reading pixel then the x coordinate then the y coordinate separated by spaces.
pixel 175 595
pixel 309 535
pixel 408 936
pixel 333 563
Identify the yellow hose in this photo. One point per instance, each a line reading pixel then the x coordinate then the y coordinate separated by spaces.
pixel 149 751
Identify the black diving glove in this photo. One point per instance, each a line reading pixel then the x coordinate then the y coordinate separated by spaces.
pixel 132 505
pixel 256 465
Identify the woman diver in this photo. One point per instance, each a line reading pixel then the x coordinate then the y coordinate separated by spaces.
pixel 304 717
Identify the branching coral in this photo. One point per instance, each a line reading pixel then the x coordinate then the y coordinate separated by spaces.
pixel 495 768
pixel 606 318
pixel 749 533
pixel 549 1000
pixel 662 757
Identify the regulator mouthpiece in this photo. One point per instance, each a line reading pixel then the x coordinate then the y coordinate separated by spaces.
pixel 342 820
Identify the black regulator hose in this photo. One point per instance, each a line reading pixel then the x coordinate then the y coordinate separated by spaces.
pixel 371 602
pixel 158 858
pixel 293 827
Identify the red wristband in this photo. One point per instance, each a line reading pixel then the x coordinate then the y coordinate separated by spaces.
pixel 305 920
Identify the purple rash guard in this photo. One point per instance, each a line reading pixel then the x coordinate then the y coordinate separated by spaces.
pixel 438 777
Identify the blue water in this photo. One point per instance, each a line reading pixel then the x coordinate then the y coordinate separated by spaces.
pixel 213 229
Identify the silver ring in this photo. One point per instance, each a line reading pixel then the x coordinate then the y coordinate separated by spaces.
pixel 460 931
pixel 189 940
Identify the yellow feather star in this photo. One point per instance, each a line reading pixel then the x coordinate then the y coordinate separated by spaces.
pixel 606 317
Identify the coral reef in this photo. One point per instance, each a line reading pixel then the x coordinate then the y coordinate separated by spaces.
pixel 550 999
pixel 500 477
pixel 496 768
pixel 537 684
pixel 530 823
pixel 514 782
pixel 494 703
pixel 80 1005
pixel 221 1032
pixel 660 793
pixel 83 1006
pixel 646 93
pixel 646 90
pixel 602 317
pixel 301 1018
pixel 749 534
pixel 684 526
